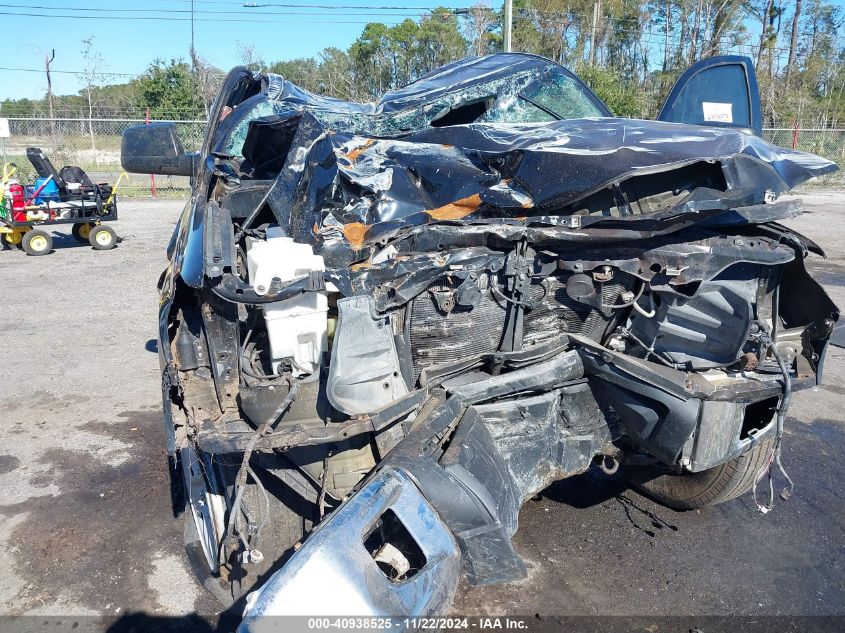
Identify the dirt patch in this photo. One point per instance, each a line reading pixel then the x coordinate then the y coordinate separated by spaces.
pixel 606 550
pixel 95 541
pixel 8 463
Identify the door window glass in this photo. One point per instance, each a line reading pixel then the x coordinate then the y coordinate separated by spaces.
pixel 718 94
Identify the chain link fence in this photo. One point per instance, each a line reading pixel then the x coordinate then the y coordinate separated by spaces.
pixel 94 145
pixel 828 143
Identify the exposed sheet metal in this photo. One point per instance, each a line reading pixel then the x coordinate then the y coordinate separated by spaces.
pixel 358 175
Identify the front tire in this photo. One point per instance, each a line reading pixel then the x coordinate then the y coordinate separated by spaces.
pixel 688 491
pixel 209 492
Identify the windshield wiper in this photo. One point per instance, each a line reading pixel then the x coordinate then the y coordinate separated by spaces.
pixel 548 111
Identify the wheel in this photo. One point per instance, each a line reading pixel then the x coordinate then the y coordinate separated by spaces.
pixel 12 239
pixel 37 242
pixel 209 492
pixel 688 491
pixel 82 231
pixel 102 238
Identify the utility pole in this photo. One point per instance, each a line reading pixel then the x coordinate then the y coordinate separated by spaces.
pixel 508 24
pixel 593 33
pixel 793 42
pixel 193 54
pixel 47 62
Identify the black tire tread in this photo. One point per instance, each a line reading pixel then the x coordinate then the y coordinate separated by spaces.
pixel 291 518
pixel 690 491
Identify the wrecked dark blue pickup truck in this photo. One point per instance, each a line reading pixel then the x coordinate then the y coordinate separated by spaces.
pixel 385 326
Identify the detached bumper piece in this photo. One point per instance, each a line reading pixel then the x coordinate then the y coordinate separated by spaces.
pixel 385 552
pixel 445 501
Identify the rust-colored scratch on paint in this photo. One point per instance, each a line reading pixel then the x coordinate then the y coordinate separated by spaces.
pixel 355 153
pixel 528 204
pixel 457 209
pixel 355 233
pixel 315 229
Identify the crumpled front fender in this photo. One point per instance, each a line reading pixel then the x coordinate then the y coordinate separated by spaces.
pixel 333 573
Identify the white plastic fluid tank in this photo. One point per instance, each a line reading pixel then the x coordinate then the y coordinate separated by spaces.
pixel 296 327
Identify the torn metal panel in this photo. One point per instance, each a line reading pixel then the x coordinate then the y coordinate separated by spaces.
pixel 351 192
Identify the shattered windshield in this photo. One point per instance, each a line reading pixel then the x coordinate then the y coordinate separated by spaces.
pixel 558 96
pixel 520 97
pixel 252 109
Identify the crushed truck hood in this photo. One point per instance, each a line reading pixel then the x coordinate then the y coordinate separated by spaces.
pixel 349 193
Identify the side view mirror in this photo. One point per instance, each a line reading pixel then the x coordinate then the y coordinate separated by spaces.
pixel 155 149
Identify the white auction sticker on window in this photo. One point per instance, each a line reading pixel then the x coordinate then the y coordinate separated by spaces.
pixel 718 112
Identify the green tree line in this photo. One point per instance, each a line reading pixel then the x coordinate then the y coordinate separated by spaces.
pixel 629 51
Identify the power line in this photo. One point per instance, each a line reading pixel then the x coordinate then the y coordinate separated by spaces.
pixel 329 6
pixel 157 12
pixel 353 11
pixel 67 72
pixel 181 19
pixel 258 4
pixel 336 10
pixel 642 36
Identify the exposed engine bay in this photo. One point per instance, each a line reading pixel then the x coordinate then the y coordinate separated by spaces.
pixel 397 323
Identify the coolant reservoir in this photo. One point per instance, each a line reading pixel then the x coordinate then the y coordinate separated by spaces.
pixel 296 327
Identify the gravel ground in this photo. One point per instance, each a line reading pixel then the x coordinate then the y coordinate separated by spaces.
pixel 86 527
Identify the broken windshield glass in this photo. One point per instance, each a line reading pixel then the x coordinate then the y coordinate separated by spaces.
pixel 557 96
pixel 524 96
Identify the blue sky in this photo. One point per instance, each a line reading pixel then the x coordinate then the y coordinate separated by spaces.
pixel 128 44
pixel 129 34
